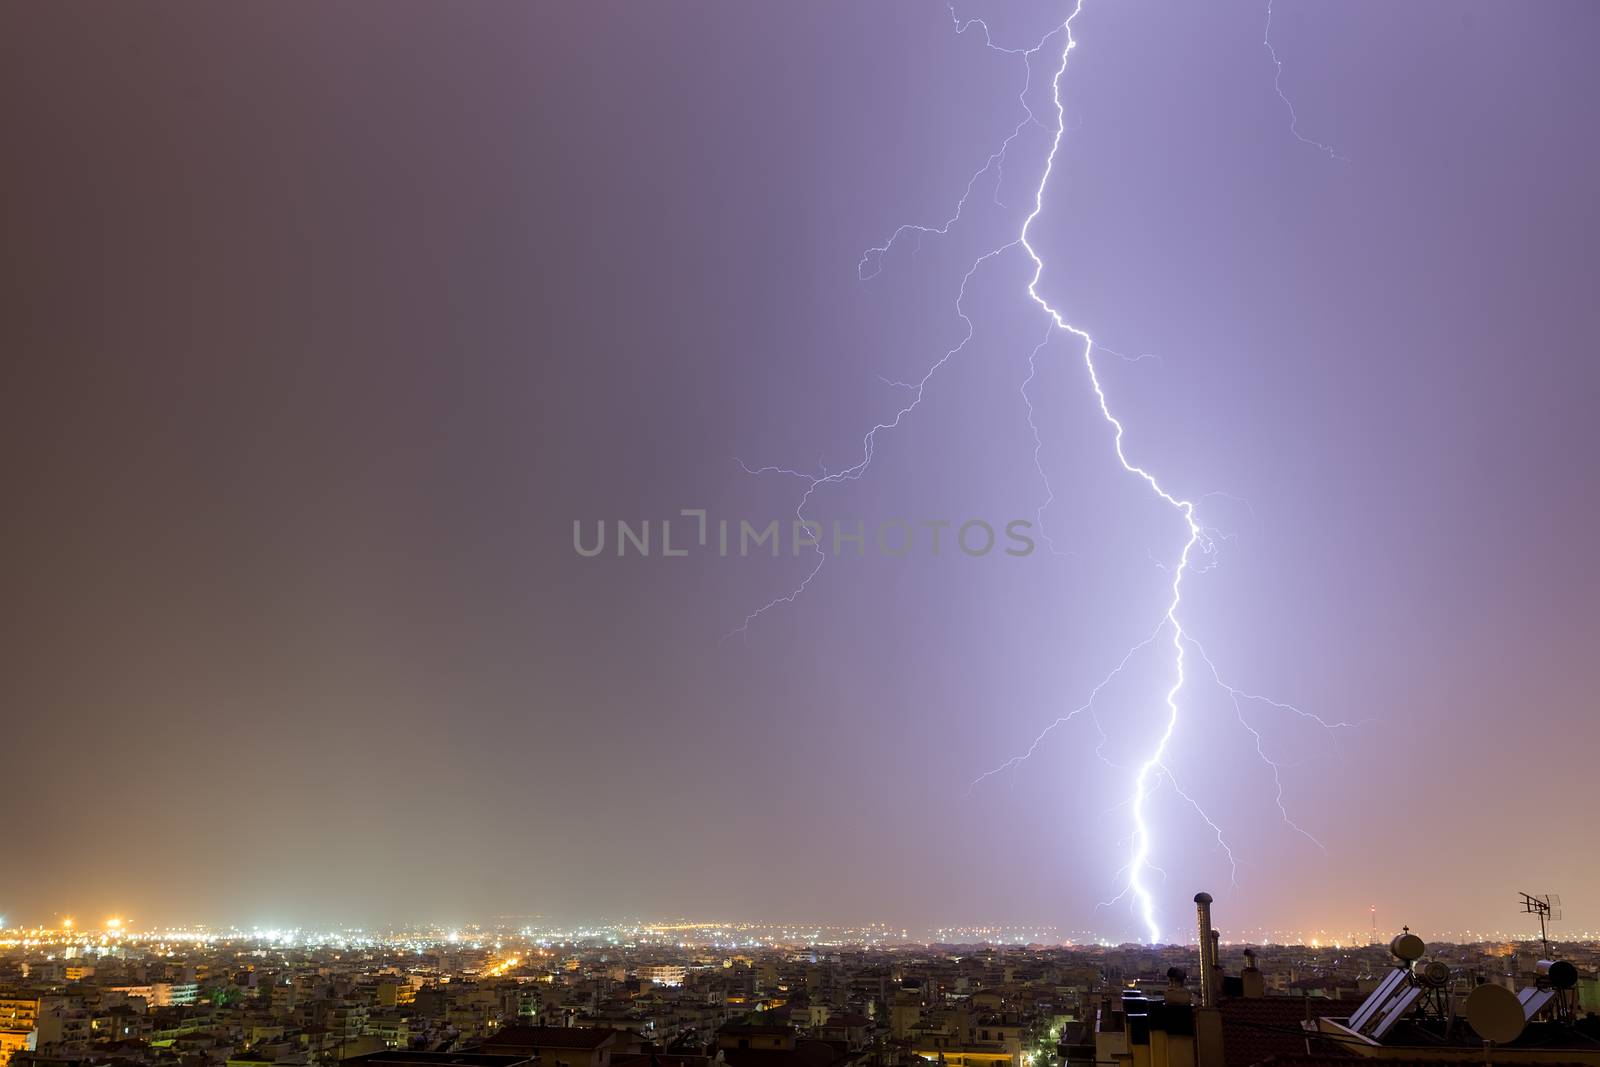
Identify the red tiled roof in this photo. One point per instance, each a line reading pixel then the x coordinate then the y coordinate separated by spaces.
pixel 1255 1029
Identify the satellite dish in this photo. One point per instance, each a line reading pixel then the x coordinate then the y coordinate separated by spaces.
pixel 1494 1013
pixel 1407 947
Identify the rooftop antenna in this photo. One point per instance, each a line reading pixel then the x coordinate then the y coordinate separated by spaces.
pixel 1548 908
pixel 1374 940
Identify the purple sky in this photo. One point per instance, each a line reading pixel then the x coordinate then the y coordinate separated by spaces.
pixel 325 323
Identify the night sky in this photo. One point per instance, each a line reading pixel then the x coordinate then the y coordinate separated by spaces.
pixel 323 323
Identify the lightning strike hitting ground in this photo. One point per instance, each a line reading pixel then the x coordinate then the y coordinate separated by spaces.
pixel 1152 771
pixel 1148 774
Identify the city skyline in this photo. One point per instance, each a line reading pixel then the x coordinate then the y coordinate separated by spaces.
pixel 73 929
pixel 699 997
pixel 69 932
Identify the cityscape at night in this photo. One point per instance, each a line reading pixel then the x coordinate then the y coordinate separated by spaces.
pixel 800 533
pixel 695 994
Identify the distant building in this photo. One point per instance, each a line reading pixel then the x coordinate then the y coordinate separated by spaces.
pixel 668 974
pixel 13 1041
pixel 18 1012
pixel 554 1046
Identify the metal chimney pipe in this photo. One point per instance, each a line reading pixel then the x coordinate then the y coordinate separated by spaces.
pixel 1216 966
pixel 1208 951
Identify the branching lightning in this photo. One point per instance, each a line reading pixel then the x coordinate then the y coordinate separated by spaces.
pixel 1086 708
pixel 870 264
pixel 1152 772
pixel 1277 85
pixel 1038 446
pixel 868 444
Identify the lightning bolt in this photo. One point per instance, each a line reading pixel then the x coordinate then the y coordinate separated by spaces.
pixel 867 268
pixel 1038 446
pixel 1086 708
pixel 1277 86
pixel 1152 772
pixel 1195 536
pixel 869 445
pixel 1239 698
pixel 1222 842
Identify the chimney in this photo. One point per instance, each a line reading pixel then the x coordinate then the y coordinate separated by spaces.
pixel 1208 951
pixel 1176 993
pixel 1219 984
pixel 1207 1016
pixel 1254 984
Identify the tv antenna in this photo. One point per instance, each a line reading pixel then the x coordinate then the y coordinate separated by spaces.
pixel 1548 908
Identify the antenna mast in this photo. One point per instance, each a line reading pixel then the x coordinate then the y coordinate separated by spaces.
pixel 1548 909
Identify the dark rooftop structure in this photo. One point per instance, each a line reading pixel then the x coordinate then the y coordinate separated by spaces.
pixel 404 1058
